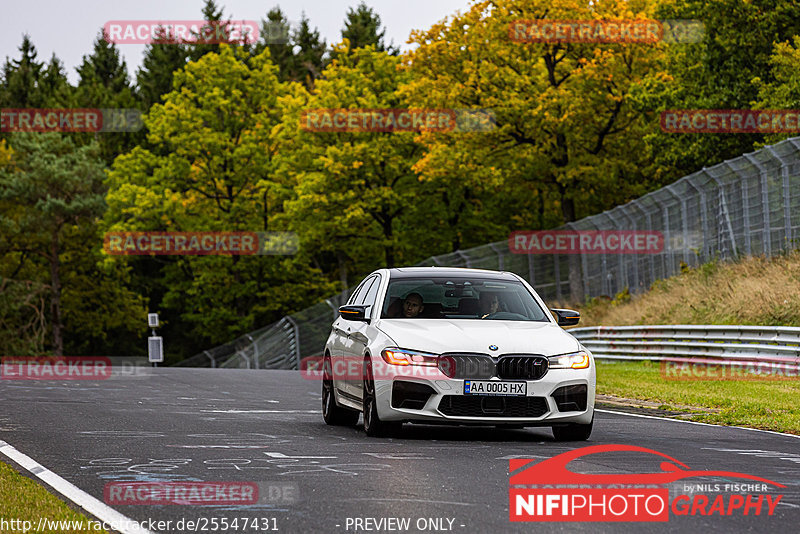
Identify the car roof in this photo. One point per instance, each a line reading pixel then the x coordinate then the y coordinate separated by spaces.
pixel 447 272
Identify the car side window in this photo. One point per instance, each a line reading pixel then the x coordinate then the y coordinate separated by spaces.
pixel 362 295
pixel 354 296
pixel 372 292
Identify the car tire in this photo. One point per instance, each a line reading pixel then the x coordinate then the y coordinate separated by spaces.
pixel 373 426
pixel 573 431
pixel 332 413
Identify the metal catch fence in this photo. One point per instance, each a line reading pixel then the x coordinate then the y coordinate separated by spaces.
pixel 746 206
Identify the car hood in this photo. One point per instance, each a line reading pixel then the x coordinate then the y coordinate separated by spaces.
pixel 471 335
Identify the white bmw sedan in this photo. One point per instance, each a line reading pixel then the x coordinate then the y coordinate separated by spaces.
pixel 459 346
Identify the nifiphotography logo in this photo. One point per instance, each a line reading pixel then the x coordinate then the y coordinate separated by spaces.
pixel 548 491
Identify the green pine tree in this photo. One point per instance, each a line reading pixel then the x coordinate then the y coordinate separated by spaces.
pixel 161 59
pixel 362 27
pixel 104 67
pixel 21 78
pixel 276 35
pixel 54 86
pixel 309 58
pixel 218 31
pixel 51 189
pixel 105 84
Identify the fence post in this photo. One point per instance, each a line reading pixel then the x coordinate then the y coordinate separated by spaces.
pixel 296 340
pixel 557 274
pixel 500 257
pixel 531 277
pixel 634 258
pixel 703 215
pixel 767 222
pixel 588 290
pixel 333 308
pixel 766 248
pixel 585 265
pixel 255 351
pixel 684 223
pixel 651 261
pixel 787 209
pixel 576 285
pixel 666 217
pixel 724 220
pixel 622 274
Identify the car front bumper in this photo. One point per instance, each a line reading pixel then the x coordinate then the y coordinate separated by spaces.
pixel 424 394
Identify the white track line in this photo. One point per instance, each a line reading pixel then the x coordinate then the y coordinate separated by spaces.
pixel 697 423
pixel 100 510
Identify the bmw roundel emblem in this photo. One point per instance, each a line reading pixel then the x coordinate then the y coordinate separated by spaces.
pixel 492 347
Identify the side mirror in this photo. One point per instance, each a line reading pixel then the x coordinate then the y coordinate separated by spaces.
pixel 354 313
pixel 566 317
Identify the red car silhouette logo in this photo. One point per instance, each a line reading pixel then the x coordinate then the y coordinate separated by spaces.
pixel 554 470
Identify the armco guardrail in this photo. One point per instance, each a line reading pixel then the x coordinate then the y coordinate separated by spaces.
pixel 777 345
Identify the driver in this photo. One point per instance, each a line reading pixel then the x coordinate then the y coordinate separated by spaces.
pixel 490 303
pixel 412 305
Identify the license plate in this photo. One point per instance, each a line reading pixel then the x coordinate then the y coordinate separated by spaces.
pixel 495 387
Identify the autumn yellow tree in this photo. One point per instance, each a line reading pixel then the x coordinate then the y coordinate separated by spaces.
pixel 355 193
pixel 568 141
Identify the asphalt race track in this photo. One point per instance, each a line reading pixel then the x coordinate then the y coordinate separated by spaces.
pixel 170 424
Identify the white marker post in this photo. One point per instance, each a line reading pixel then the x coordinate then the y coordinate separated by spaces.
pixel 155 345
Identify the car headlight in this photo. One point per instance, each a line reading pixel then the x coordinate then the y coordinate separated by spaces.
pixel 396 356
pixel 573 360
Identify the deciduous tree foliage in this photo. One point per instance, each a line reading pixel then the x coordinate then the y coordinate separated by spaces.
pixel 576 132
pixel 568 140
pixel 217 175
pixel 717 73
pixel 783 92
pixel 355 192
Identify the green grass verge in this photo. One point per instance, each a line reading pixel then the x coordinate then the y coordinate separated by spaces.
pixel 25 500
pixel 763 404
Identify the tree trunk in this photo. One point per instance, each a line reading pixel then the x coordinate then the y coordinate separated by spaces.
pixel 343 273
pixel 388 235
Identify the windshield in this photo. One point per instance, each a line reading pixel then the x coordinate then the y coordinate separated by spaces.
pixel 460 298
